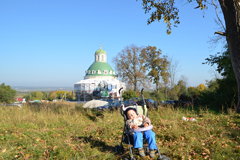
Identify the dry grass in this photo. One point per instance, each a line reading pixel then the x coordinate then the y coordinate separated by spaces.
pixel 67 131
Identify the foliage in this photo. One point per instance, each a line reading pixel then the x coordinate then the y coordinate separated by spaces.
pixel 212 85
pixel 201 87
pixel 130 66
pixel 6 93
pixel 156 65
pixel 178 90
pixel 66 131
pixel 167 11
pixel 129 94
pixel 36 96
pixel 162 10
pixel 224 90
pixel 51 96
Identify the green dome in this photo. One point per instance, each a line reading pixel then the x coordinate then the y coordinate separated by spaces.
pixel 100 69
pixel 100 51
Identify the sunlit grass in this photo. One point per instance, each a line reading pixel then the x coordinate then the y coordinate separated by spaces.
pixel 67 131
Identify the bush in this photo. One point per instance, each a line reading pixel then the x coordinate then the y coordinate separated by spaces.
pixel 6 93
pixel 129 94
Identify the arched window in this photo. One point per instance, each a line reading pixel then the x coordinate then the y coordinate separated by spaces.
pixel 102 57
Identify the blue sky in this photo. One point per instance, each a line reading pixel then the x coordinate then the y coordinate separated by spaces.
pixel 52 43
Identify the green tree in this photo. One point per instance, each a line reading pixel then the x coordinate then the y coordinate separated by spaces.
pixel 156 65
pixel 129 94
pixel 193 92
pixel 177 90
pixel 130 66
pixel 224 90
pixel 230 9
pixel 6 93
pixel 39 96
pixel 45 95
pixel 212 85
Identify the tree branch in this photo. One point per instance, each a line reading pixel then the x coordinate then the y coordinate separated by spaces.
pixel 220 33
pixel 217 15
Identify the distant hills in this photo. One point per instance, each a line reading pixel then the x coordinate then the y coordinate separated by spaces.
pixel 47 89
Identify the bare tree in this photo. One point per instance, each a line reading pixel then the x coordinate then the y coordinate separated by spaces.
pixel 184 79
pixel 214 73
pixel 173 69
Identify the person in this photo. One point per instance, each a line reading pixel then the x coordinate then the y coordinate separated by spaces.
pixel 135 121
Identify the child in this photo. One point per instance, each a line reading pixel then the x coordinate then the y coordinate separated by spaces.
pixel 137 121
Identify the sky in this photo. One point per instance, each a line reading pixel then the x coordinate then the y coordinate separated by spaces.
pixel 52 43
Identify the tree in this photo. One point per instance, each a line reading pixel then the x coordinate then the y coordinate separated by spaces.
pixel 212 85
pixel 156 65
pixel 129 94
pixel 225 89
pixel 6 93
pixel 184 79
pixel 178 90
pixel 167 11
pixel 130 66
pixel 173 68
pixel 201 87
pixel 193 92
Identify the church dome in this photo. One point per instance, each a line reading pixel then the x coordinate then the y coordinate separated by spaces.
pixel 100 69
pixel 100 51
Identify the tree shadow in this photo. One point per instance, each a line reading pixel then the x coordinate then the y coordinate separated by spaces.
pixel 95 143
pixel 94 117
pixel 101 146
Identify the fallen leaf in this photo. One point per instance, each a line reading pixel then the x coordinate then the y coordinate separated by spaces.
pixel 54 148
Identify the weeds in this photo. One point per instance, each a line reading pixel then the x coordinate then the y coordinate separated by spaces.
pixel 68 131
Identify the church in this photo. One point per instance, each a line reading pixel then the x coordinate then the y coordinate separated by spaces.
pixel 100 80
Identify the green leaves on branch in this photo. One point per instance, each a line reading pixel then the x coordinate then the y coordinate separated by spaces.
pixel 167 11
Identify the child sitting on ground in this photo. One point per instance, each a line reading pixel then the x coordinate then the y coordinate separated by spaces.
pixel 137 121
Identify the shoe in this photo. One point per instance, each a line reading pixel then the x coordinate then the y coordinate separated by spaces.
pixel 152 153
pixel 141 152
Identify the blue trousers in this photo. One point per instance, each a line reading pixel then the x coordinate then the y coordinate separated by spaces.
pixel 150 137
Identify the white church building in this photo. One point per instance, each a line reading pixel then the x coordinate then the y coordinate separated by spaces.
pixel 100 81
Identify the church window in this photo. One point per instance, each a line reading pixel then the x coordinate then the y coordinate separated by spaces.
pixel 102 57
pixel 105 72
pixel 99 72
pixel 93 72
pixel 110 72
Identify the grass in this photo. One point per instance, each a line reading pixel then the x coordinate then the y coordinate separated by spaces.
pixel 67 131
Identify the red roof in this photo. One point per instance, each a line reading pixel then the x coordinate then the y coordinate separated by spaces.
pixel 18 99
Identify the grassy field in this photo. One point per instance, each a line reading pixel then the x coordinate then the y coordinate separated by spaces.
pixel 67 131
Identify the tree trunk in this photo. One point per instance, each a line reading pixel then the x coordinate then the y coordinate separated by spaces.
pixel 231 12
